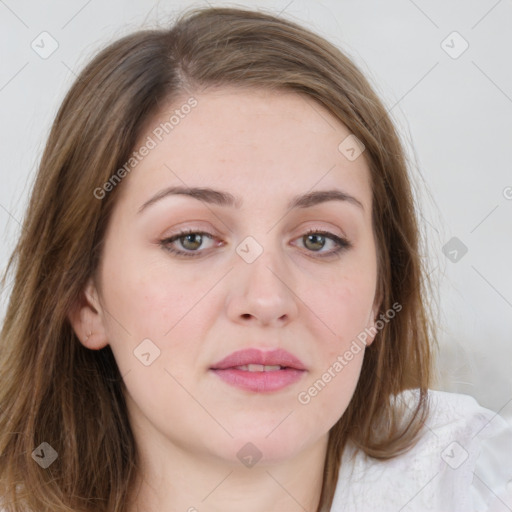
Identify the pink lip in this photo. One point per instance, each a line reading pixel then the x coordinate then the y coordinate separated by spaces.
pixel 292 369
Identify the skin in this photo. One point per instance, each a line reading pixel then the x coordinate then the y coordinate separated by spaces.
pixel 263 147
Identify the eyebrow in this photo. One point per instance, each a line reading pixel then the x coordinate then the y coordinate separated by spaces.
pixel 222 198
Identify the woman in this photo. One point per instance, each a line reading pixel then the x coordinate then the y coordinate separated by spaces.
pixel 218 301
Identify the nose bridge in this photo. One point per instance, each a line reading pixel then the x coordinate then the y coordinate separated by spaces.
pixel 262 287
pixel 264 272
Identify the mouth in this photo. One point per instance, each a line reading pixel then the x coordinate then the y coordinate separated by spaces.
pixel 259 368
pixel 258 371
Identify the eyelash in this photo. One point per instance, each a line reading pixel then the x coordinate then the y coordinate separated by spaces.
pixel 342 243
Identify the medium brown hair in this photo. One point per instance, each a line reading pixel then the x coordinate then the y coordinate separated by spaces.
pixel 55 390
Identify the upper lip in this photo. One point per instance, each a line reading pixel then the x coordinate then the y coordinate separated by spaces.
pixel 256 356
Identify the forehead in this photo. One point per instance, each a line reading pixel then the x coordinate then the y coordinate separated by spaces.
pixel 250 141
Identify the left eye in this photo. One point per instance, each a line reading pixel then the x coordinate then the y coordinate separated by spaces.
pixel 191 241
pixel 316 240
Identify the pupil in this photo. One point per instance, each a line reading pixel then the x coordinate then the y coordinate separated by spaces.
pixel 190 238
pixel 315 239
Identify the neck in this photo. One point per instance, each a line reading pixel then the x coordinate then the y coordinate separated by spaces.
pixel 173 478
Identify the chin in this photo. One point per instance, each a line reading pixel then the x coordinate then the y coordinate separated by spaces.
pixel 256 446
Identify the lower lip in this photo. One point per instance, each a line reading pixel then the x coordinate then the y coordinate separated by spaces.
pixel 260 381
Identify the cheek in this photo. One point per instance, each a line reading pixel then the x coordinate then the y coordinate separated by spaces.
pixel 144 295
pixel 328 391
pixel 345 306
pixel 172 309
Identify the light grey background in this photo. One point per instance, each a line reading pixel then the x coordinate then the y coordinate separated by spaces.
pixel 453 111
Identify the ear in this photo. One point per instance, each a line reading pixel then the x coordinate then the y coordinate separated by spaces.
pixel 87 319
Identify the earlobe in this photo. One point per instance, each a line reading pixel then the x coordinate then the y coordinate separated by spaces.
pixel 86 318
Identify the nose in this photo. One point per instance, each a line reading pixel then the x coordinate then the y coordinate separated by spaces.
pixel 262 292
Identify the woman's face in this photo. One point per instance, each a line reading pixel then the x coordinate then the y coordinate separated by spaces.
pixel 245 278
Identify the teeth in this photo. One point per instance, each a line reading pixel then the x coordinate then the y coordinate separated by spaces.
pixel 258 368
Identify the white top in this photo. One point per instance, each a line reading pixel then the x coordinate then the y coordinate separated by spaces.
pixel 462 463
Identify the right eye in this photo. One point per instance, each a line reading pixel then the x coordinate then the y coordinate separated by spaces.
pixel 189 240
